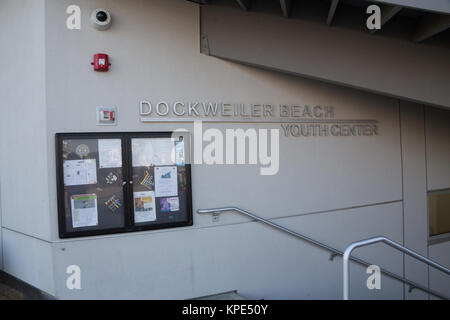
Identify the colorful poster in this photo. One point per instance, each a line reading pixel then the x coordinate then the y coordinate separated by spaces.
pixel 153 152
pixel 84 210
pixel 113 203
pixel 80 172
pixel 170 204
pixel 166 181
pixel 179 153
pixel 110 153
pixel 144 206
pixel 147 181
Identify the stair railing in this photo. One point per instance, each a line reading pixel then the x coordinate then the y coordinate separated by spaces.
pixel 389 242
pixel 333 251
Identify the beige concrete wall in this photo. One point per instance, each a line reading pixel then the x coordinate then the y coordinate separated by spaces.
pixel 25 220
pixel 23 122
pixel 415 224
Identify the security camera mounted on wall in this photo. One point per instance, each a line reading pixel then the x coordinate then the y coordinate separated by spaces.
pixel 101 19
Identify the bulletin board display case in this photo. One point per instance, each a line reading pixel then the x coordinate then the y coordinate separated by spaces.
pixel 122 182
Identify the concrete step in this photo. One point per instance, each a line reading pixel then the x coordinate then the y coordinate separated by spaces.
pixel 229 295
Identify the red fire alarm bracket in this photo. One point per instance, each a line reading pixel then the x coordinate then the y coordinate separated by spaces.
pixel 101 62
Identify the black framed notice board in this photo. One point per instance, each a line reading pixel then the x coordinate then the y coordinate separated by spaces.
pixel 122 182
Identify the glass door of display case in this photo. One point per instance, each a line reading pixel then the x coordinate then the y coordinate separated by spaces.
pixel 159 180
pixel 93 183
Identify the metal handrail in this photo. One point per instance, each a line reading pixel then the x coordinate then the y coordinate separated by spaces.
pixel 389 242
pixel 334 252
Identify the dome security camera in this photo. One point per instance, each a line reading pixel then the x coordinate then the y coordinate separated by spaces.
pixel 101 19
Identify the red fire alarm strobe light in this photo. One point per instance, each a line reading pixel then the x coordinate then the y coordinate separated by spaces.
pixel 101 62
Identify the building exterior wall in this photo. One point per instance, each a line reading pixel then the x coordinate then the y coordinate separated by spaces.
pixel 23 131
pixel 23 125
pixel 415 222
pixel 29 259
pixel 333 189
pixel 437 126
pixel 438 280
pixel 438 151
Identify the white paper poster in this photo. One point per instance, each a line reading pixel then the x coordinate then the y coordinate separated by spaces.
pixel 80 172
pixel 144 206
pixel 153 152
pixel 84 210
pixel 179 153
pixel 110 153
pixel 166 181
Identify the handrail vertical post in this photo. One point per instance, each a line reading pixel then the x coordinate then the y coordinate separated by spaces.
pixel 346 275
pixel 393 244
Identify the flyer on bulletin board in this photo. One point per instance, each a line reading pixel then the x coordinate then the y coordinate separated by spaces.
pixel 152 152
pixel 144 206
pixel 80 172
pixel 84 210
pixel 166 181
pixel 179 153
pixel 170 204
pixel 110 153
